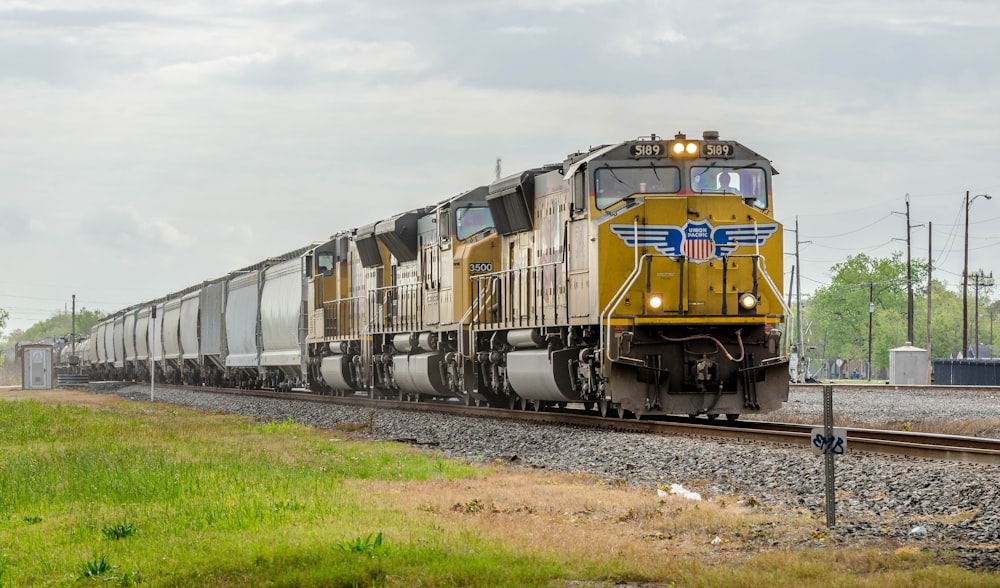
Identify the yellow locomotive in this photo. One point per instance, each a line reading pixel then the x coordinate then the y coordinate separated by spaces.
pixel 636 278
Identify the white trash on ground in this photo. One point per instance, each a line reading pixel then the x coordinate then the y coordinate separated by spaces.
pixel 683 492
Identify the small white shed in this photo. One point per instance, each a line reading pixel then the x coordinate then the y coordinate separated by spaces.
pixel 907 365
pixel 36 367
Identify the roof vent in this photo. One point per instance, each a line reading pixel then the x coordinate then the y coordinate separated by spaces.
pixel 710 135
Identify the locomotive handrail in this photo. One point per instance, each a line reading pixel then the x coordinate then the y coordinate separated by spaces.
pixel 347 320
pixel 477 302
pixel 616 299
pixel 529 273
pixel 767 278
pixel 770 283
pixel 760 266
pixel 401 304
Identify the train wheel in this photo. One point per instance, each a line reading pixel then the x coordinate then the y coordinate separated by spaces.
pixel 732 416
pixel 602 406
pixel 525 404
pixel 589 406
pixel 512 402
pixel 713 417
pixel 538 405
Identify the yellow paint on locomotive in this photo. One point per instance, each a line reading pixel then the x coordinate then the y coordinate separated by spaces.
pixel 697 291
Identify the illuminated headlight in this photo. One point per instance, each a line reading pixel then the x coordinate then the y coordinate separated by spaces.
pixel 685 148
pixel 654 302
pixel 748 301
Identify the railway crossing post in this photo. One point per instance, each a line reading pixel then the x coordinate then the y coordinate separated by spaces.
pixel 829 442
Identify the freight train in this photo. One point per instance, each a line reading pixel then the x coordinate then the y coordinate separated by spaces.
pixel 635 278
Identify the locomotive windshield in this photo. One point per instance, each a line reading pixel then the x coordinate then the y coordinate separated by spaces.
pixel 324 264
pixel 471 220
pixel 750 183
pixel 614 184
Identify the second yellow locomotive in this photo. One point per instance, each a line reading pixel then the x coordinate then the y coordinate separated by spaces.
pixel 636 278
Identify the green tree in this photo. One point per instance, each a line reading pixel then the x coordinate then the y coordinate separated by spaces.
pixel 59 324
pixel 840 312
pixel 946 320
pixel 3 323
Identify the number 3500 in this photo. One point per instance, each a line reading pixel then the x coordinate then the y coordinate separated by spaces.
pixel 478 268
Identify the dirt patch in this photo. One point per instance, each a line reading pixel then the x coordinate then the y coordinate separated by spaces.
pixel 60 397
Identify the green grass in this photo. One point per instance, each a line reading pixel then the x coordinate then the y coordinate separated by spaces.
pixel 169 497
pixel 154 495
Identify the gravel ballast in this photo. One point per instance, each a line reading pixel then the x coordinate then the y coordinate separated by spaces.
pixel 938 505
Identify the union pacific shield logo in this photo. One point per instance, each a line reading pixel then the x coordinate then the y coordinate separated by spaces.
pixel 697 240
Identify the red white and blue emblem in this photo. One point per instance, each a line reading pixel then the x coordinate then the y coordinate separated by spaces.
pixel 698 241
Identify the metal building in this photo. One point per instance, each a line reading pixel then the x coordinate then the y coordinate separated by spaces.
pixel 908 366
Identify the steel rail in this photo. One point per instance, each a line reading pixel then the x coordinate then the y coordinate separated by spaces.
pixel 902 443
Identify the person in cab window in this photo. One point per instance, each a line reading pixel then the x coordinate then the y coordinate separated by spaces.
pixel 724 186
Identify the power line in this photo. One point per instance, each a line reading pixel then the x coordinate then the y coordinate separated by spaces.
pixel 852 232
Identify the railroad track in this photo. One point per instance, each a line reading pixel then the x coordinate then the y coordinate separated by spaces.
pixel 919 445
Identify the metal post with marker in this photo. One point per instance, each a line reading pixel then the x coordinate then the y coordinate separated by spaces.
pixel 829 442
pixel 831 490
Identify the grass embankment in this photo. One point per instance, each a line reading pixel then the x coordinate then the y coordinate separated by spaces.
pixel 154 495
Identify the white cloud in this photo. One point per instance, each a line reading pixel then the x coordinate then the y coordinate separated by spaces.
pixel 206 71
pixel 195 138
pixel 524 30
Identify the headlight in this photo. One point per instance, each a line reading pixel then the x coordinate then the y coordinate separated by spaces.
pixel 748 301
pixel 654 302
pixel 682 147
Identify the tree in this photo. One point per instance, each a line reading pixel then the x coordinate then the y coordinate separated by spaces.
pixel 60 324
pixel 3 323
pixel 840 311
pixel 946 320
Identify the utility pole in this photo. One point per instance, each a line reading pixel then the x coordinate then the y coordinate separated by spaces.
pixel 930 265
pixel 980 280
pixel 965 276
pixel 909 279
pixel 871 315
pixel 798 302
pixel 788 329
pixel 965 283
pixel 909 275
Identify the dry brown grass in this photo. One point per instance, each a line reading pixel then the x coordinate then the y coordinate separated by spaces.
pixel 579 516
pixel 67 397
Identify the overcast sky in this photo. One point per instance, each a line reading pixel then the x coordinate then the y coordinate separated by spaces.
pixel 148 146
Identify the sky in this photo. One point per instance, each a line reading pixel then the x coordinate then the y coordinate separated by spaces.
pixel 149 146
